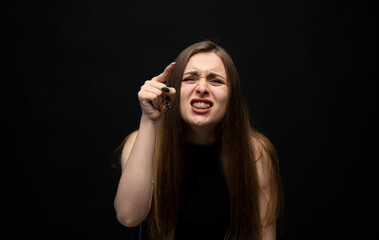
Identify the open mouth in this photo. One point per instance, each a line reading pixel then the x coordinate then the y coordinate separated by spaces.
pixel 201 103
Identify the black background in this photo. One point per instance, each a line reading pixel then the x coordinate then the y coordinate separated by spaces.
pixel 69 97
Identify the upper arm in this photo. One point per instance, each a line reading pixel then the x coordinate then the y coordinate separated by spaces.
pixel 128 146
pixel 263 167
pixel 268 185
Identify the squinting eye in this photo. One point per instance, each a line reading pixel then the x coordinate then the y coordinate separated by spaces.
pixel 188 80
pixel 217 81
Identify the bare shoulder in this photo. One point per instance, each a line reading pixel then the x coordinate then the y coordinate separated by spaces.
pixel 262 146
pixel 265 156
pixel 128 145
pixel 267 165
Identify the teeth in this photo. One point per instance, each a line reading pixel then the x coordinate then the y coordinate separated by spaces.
pixel 201 104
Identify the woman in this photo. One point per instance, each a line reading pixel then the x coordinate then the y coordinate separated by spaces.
pixel 196 167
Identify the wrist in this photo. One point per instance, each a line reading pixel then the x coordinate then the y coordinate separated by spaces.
pixel 145 121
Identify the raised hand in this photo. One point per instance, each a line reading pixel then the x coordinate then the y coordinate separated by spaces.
pixel 154 95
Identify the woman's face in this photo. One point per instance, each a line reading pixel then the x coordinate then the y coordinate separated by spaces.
pixel 204 90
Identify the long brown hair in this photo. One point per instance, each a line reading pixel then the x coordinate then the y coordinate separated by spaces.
pixel 236 135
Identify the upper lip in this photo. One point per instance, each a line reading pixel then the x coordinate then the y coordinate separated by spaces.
pixel 201 100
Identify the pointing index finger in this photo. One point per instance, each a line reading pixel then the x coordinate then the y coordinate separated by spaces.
pixel 165 74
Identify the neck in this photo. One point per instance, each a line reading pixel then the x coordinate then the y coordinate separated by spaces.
pixel 200 135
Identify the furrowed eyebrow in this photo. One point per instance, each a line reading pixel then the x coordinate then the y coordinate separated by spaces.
pixel 192 73
pixel 211 74
pixel 215 75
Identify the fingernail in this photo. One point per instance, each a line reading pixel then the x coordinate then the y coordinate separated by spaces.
pixel 165 89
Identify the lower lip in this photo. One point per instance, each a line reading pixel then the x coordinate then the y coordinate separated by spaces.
pixel 200 110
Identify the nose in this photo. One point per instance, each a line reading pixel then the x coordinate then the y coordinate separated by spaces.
pixel 202 87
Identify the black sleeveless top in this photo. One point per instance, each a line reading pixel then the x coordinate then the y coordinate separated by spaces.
pixel 204 210
pixel 204 205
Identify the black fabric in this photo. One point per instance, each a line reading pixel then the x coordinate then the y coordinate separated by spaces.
pixel 204 206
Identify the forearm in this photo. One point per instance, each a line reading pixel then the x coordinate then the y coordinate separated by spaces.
pixel 132 201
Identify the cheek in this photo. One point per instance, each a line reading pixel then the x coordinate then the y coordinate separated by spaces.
pixel 222 97
pixel 184 96
pixel 223 102
pixel 185 93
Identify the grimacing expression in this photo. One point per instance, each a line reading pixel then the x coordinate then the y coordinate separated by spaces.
pixel 204 90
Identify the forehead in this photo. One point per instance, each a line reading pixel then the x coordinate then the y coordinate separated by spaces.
pixel 206 62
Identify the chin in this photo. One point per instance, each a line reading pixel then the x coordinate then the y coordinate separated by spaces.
pixel 196 122
pixel 199 124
